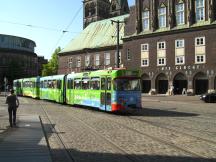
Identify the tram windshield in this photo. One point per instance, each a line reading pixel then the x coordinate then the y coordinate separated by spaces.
pixel 127 84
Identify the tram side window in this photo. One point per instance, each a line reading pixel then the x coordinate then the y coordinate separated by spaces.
pixel 109 83
pixel 45 84
pixel 32 84
pixel 85 84
pixel 59 84
pixel 55 84
pixel 103 84
pixel 95 84
pixel 77 84
pixel 50 84
pixel 18 84
pixel 70 84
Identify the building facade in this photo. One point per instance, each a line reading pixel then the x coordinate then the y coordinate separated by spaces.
pixel 94 48
pixel 172 43
pixel 95 10
pixel 17 59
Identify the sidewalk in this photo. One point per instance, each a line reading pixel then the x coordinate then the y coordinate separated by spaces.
pixel 174 98
pixel 24 143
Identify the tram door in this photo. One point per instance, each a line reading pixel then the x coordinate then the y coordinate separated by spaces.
pixel 105 96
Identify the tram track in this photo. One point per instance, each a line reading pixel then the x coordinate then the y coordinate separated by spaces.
pixel 119 148
pixel 67 155
pixel 61 140
pixel 173 130
pixel 166 142
pixel 187 151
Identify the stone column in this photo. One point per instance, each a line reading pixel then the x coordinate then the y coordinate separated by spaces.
pixel 191 12
pixel 138 16
pixel 211 84
pixel 171 13
pixel 211 10
pixel 154 9
pixel 190 87
pixel 153 86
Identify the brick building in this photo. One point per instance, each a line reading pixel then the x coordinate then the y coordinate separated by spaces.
pixel 95 47
pixel 17 58
pixel 172 42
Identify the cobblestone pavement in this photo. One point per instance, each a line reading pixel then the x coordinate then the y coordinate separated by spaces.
pixel 174 128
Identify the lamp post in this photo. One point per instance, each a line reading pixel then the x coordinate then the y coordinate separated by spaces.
pixel 117 46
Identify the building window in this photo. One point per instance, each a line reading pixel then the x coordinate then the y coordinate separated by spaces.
pixel 180 60
pixel 128 54
pixel 78 61
pixel 200 58
pixel 179 43
pixel 145 62
pixel 97 59
pixel 144 47
pixel 200 41
pixel 200 10
pixel 87 60
pixel 145 20
pixel 106 58
pixel 161 45
pixel 161 61
pixel 180 19
pixel 70 62
pixel 162 17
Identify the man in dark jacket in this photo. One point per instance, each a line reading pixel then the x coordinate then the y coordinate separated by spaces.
pixel 13 104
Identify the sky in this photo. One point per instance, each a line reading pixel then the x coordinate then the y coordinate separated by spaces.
pixel 43 21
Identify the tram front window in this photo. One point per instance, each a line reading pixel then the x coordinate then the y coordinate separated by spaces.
pixel 127 84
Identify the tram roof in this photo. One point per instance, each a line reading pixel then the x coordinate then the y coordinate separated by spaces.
pixel 32 78
pixel 96 35
pixel 99 73
pixel 52 77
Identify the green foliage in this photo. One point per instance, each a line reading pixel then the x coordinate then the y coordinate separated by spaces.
pixel 51 68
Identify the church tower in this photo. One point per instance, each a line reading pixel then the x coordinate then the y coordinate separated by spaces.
pixel 95 10
pixel 118 7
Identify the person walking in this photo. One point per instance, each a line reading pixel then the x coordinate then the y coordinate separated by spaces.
pixel 13 104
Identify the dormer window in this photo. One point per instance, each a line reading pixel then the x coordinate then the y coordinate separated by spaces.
pixel 200 10
pixel 162 17
pixel 145 20
pixel 180 16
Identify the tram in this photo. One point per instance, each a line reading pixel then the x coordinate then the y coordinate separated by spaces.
pixel 18 87
pixel 52 88
pixel 30 87
pixel 107 90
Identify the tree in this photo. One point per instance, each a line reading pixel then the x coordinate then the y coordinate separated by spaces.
pixel 51 68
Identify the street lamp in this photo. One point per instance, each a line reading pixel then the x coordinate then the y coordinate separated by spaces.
pixel 117 46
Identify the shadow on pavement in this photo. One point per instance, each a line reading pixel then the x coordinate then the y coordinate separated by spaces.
pixel 79 156
pixel 158 113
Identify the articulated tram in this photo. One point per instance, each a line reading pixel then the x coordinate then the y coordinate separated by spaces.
pixel 108 90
